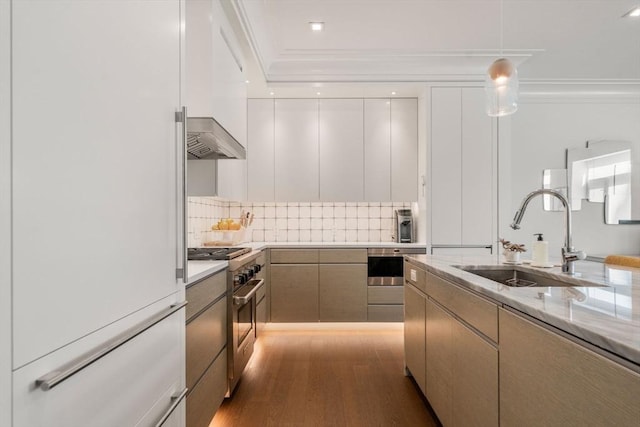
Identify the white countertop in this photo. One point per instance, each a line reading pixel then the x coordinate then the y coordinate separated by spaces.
pixel 330 245
pixel 200 269
pixel 607 316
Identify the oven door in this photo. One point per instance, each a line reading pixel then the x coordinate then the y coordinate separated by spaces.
pixel 385 270
pixel 385 266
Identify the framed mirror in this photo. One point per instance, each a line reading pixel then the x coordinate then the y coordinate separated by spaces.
pixel 607 172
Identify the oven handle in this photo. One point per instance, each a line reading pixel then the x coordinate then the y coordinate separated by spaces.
pixel 245 298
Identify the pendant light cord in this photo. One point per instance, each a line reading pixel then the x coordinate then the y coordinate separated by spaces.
pixel 501 27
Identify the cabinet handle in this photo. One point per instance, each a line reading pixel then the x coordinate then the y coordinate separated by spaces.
pixel 55 377
pixel 175 401
pixel 181 271
pixel 243 299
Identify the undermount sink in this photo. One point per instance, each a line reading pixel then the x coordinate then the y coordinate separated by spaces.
pixel 516 277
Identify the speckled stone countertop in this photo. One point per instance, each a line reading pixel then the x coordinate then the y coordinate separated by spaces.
pixel 606 316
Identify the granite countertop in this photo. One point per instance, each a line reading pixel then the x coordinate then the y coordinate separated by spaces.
pixel 606 316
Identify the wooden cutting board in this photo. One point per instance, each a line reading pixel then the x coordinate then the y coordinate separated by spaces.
pixel 624 260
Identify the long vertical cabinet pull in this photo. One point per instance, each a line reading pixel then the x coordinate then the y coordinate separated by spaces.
pixel 181 271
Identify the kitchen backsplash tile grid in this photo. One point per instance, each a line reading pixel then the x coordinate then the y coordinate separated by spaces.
pixel 299 221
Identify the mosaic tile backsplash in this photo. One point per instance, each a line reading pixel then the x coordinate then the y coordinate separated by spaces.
pixel 297 222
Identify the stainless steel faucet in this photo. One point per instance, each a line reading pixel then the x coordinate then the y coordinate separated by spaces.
pixel 569 254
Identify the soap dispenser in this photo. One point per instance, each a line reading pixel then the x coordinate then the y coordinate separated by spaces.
pixel 540 256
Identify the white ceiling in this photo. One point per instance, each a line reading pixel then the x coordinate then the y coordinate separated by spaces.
pixel 388 42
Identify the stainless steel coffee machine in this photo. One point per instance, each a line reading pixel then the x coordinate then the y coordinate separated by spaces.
pixel 404 226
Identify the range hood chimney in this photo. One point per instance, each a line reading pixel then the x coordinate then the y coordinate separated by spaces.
pixel 207 139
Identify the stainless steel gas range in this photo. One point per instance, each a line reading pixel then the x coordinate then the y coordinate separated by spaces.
pixel 245 277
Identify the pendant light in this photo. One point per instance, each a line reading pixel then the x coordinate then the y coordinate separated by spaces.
pixel 501 84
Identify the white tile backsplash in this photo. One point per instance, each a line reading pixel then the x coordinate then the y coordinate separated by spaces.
pixel 297 222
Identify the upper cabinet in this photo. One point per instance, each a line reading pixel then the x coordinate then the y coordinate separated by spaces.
pixel 341 143
pixel 404 150
pixel 332 150
pixel 296 150
pixel 215 68
pixel 216 88
pixel 462 168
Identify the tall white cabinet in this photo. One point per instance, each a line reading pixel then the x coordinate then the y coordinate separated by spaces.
pixel 296 150
pixel 341 143
pixel 333 150
pixel 463 182
pixel 94 186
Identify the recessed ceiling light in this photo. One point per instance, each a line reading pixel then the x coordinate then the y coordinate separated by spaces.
pixel 271 93
pixel 393 93
pixel 316 26
pixel 317 93
pixel 633 13
pixel 247 81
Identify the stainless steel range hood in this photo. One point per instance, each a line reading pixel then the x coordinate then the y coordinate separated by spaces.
pixel 207 139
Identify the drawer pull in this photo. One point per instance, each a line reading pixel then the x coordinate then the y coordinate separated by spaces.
pixel 175 401
pixel 53 378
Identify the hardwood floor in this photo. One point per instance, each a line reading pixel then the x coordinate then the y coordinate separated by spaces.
pixel 326 375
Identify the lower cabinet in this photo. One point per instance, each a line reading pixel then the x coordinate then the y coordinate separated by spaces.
pixel 453 362
pixel 343 292
pixel 311 285
pixel 206 348
pixel 415 335
pixel 546 379
pixel 294 292
pixel 128 386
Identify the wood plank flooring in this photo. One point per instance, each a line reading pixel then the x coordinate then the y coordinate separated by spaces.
pixel 326 375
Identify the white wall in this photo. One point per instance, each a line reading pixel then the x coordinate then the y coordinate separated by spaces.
pixel 5 217
pixel 541 131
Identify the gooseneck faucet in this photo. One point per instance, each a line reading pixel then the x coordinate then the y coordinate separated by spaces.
pixel 569 254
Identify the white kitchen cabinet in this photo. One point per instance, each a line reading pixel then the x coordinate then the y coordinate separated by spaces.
pixel 215 68
pixel 260 150
pixel 377 150
pixel 296 150
pixel 341 161
pixel 232 179
pixel 129 386
pixel 93 201
pixel 462 168
pixel 404 150
pixel 94 184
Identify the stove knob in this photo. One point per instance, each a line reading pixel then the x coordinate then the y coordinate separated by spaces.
pixel 256 268
pixel 248 273
pixel 239 279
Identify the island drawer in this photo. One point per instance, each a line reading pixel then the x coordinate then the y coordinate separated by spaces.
pixel 475 310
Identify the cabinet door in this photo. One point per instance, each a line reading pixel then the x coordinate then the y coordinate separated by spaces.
pixel 377 150
pixel 415 316
pixel 296 150
pixel 229 89
pixel 404 150
pixel 475 379
pixel 573 387
pixel 260 150
pixel 477 169
pixel 446 155
pixel 232 179
pixel 341 144
pixel 343 292
pixel 439 365
pixel 95 180
pixel 294 293
pixel 126 386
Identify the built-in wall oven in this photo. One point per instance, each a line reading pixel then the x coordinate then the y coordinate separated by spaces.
pixel 245 279
pixel 385 265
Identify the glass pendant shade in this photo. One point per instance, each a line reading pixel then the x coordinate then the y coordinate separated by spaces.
pixel 501 88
